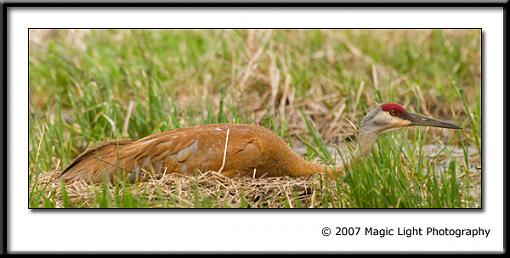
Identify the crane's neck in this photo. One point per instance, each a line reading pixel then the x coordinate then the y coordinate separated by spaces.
pixel 297 166
pixel 366 140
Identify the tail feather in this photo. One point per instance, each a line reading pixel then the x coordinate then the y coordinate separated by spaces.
pixel 88 164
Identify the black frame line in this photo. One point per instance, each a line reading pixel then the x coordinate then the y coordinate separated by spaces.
pixel 3 141
pixel 243 4
pixel 233 5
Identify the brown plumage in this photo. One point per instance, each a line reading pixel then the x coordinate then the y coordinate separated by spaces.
pixel 250 150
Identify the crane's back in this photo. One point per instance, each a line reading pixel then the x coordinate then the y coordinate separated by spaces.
pixel 250 151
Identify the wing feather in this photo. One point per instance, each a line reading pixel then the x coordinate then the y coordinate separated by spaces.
pixel 183 150
pixel 130 157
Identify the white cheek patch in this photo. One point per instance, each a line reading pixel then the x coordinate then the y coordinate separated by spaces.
pixel 396 120
pixel 383 119
pixel 388 122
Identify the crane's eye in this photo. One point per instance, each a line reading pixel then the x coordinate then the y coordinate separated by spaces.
pixel 393 112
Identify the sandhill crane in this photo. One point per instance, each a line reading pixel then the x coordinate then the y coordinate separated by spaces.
pixel 231 149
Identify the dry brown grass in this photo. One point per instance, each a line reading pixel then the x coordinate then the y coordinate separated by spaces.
pixel 265 192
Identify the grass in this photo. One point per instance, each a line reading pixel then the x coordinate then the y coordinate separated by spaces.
pixel 311 87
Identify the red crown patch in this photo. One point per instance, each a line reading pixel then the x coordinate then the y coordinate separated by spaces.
pixel 393 106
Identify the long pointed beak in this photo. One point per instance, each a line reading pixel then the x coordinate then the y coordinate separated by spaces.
pixel 427 121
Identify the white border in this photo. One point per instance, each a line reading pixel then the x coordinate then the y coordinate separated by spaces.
pixel 238 230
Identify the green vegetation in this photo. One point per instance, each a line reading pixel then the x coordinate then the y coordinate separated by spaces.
pixel 311 87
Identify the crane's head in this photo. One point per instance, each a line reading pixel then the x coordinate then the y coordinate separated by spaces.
pixel 391 116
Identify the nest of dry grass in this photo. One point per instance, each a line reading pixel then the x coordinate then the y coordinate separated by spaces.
pixel 208 189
